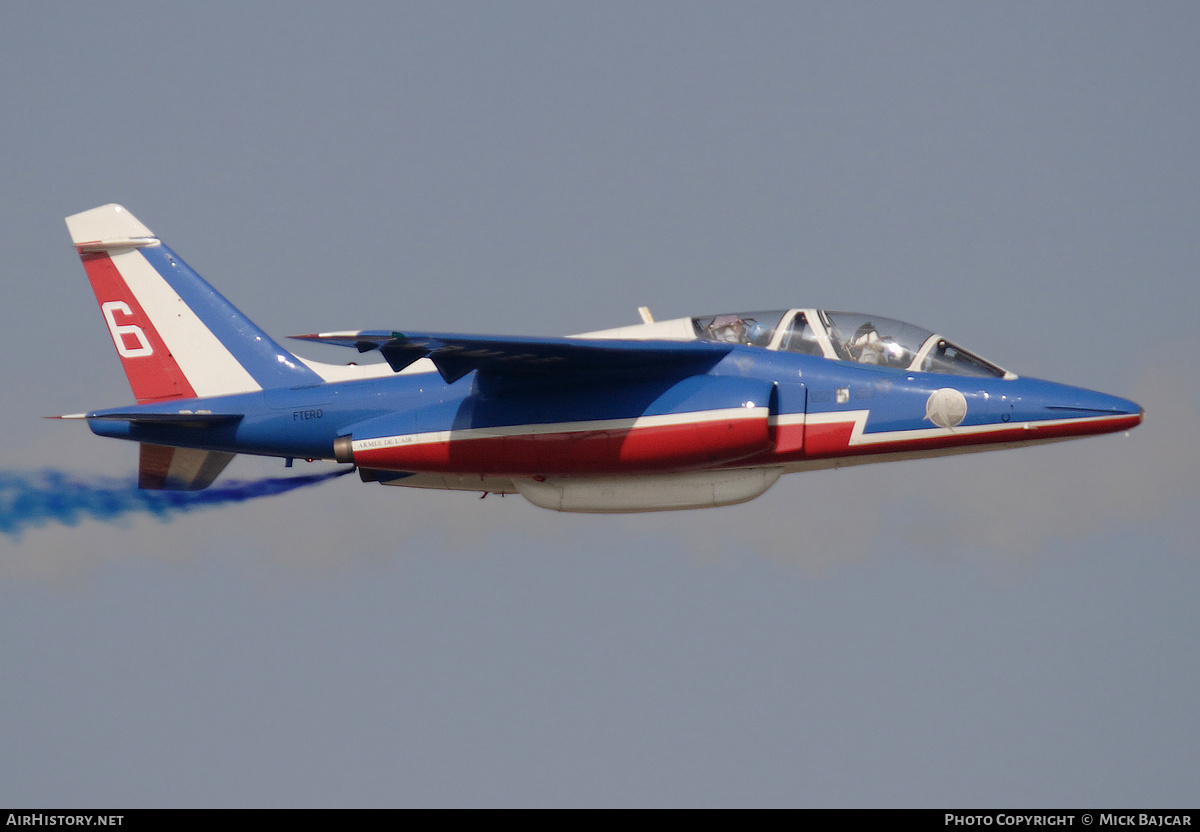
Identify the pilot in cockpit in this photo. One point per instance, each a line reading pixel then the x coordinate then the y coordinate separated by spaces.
pixel 728 328
pixel 866 347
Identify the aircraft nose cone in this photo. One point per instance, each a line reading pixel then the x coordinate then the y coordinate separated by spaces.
pixel 1091 411
pixel 1090 402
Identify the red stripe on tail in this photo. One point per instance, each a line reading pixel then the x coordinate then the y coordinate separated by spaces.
pixel 148 364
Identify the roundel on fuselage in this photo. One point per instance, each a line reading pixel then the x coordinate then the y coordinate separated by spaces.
pixel 946 407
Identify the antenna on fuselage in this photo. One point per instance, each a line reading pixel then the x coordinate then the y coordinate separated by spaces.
pixel 644 311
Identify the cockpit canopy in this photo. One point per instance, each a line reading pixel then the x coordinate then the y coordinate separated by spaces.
pixel 846 336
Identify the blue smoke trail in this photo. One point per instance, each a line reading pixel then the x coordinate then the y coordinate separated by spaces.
pixel 36 498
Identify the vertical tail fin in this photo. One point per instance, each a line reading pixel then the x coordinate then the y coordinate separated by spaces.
pixel 176 336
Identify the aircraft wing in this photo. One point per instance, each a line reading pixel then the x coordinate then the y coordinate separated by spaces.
pixel 456 355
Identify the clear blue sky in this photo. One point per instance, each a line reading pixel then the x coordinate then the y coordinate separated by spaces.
pixel 1010 629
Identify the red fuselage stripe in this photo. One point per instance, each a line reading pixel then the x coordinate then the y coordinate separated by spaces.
pixel 679 447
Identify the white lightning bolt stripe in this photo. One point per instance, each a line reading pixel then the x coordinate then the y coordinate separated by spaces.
pixel 859 436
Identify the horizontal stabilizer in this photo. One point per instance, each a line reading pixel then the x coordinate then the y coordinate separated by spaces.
pixel 198 419
pixel 456 355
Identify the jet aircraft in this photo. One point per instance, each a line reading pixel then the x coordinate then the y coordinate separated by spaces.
pixel 673 414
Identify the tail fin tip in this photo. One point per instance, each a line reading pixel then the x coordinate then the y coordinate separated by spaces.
pixel 108 226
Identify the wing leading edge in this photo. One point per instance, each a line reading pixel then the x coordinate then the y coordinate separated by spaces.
pixel 456 355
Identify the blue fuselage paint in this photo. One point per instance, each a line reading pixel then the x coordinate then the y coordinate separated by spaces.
pixel 305 420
